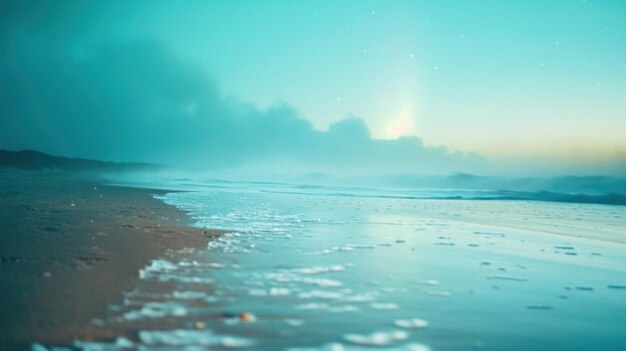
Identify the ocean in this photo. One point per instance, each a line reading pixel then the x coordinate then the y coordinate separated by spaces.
pixel 331 268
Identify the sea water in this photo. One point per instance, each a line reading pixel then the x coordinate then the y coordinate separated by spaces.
pixel 340 271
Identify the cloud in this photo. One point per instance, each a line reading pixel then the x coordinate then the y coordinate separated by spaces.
pixel 135 100
pixel 74 81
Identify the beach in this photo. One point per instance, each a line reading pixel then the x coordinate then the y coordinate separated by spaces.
pixel 87 266
pixel 69 248
pixel 339 271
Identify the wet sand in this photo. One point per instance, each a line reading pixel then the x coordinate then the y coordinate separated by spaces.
pixel 69 248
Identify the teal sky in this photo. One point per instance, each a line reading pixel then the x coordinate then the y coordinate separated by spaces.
pixel 497 77
pixel 517 85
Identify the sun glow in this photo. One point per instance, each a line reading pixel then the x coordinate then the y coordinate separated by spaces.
pixel 401 126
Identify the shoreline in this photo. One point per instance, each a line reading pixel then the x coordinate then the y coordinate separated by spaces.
pixel 70 248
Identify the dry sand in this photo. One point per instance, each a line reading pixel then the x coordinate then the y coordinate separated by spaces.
pixel 69 248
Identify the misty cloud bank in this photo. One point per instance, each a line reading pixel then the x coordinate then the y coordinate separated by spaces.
pixel 137 101
pixel 75 81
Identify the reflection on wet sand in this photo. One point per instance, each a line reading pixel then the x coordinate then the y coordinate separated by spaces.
pixel 348 273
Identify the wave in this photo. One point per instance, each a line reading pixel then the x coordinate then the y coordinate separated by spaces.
pixel 456 194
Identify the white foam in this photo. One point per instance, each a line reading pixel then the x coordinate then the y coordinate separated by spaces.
pixel 384 306
pixel 414 323
pixel 88 346
pixel 279 292
pixel 183 279
pixel 189 295
pixel 123 342
pixel 321 252
pixel 377 338
pixel 294 322
pixel 157 266
pixel 319 269
pixel 327 347
pixel 340 347
pixel 415 347
pixel 157 310
pixel 198 264
pixel 312 306
pixel 365 297
pixel 287 277
pixel 119 344
pixel 320 294
pixel 183 337
pixel 322 282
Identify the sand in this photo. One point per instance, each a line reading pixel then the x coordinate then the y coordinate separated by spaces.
pixel 69 248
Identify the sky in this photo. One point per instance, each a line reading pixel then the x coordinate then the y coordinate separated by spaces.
pixel 397 86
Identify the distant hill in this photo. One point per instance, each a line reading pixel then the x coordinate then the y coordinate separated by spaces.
pixel 38 161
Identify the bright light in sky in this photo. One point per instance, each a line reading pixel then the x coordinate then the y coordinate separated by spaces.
pixel 401 126
pixel 502 78
pixel 515 76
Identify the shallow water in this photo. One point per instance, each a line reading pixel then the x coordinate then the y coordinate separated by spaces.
pixel 328 272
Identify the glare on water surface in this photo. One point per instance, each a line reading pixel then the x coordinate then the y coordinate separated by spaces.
pixel 324 272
